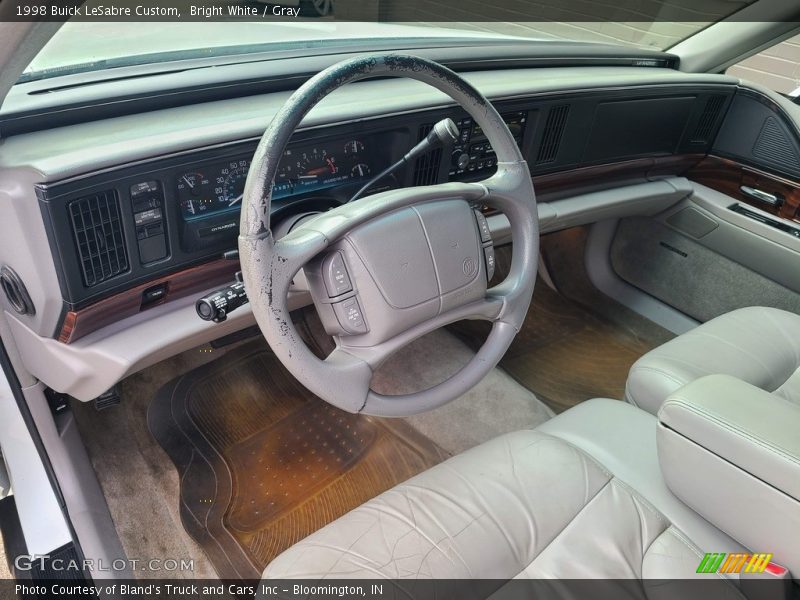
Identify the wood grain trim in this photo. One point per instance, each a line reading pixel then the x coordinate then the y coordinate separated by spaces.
pixel 80 323
pixel 727 176
pixel 596 176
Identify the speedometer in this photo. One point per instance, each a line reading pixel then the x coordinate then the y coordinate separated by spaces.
pixel 233 178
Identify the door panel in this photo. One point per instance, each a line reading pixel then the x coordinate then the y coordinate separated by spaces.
pixel 689 275
pixel 736 240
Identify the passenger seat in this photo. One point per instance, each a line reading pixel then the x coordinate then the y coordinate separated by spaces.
pixel 758 345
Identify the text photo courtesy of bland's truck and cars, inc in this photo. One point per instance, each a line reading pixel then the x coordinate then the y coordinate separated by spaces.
pixel 263 589
pixel 104 11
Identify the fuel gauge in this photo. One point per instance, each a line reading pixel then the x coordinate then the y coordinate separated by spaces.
pixel 353 147
pixel 359 170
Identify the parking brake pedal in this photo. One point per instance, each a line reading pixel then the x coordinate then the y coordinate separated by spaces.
pixel 107 399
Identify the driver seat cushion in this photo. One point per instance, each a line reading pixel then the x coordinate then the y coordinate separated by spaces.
pixel 759 345
pixel 526 504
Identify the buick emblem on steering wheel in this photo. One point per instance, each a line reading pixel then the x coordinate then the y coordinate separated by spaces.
pixel 470 267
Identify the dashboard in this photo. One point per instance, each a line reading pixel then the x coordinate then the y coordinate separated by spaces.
pixel 133 229
pixel 140 211
pixel 132 235
pixel 139 223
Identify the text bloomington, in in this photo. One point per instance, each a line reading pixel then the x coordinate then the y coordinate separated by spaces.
pixel 197 590
pixel 141 10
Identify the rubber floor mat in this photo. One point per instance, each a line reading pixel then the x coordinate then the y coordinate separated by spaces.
pixel 263 463
pixel 563 353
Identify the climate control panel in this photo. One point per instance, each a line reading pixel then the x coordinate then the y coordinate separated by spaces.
pixel 473 154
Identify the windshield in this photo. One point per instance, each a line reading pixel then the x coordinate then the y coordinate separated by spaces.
pixel 91 46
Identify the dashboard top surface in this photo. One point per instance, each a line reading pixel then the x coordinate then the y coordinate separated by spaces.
pixel 71 151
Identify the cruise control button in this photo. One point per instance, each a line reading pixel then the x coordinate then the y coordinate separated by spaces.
pixel 335 275
pixel 488 254
pixel 348 313
pixel 483 226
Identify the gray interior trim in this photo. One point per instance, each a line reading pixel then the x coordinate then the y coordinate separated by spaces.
pixel 766 250
pixel 85 503
pixel 44 525
pixel 90 366
pixel 603 277
pixel 785 107
pixel 688 275
pixel 19 43
pixel 26 250
pixel 640 199
pixel 5 482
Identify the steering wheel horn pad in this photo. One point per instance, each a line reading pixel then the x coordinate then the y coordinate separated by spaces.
pixel 408 267
pixel 414 257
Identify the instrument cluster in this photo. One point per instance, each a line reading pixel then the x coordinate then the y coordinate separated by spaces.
pixel 218 188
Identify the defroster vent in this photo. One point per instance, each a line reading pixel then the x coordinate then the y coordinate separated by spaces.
pixel 553 132
pixel 705 125
pixel 99 239
pixel 426 169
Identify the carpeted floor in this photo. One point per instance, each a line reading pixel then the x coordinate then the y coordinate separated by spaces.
pixel 563 254
pixel 139 481
pixel 4 572
pixel 497 405
pixel 564 354
pixel 264 463
pixel 688 276
pixel 128 460
pixel 570 349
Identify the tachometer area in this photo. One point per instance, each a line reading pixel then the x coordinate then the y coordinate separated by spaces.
pixel 304 168
pixel 194 193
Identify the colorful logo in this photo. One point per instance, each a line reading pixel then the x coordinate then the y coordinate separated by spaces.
pixel 720 562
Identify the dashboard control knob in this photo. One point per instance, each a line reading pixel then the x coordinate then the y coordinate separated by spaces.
pixel 460 159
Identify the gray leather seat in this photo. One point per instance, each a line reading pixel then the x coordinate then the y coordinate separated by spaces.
pixel 582 496
pixel 758 345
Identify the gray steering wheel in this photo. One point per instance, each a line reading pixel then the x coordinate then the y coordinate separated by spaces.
pixel 409 260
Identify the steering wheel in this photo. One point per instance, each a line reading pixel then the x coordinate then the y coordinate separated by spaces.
pixel 389 268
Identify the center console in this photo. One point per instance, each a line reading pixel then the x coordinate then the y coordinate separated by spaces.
pixel 731 451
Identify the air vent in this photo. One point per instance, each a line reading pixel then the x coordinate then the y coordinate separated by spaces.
pixel 773 146
pixel 97 228
pixel 426 169
pixel 705 125
pixel 553 132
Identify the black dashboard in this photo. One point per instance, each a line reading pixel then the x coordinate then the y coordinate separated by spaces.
pixel 122 227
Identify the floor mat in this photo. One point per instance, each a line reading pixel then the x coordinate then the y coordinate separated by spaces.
pixel 498 404
pixel 263 463
pixel 564 353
